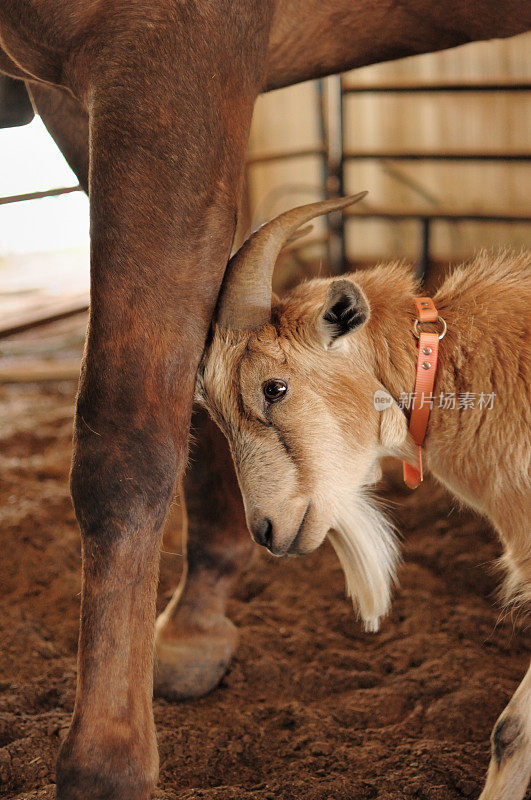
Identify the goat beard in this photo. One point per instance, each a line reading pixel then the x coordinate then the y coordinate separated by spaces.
pixel 366 545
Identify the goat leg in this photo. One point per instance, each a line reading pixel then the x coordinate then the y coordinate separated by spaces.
pixel 510 766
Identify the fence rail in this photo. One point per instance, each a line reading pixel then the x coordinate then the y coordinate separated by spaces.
pixel 436 86
pixel 21 198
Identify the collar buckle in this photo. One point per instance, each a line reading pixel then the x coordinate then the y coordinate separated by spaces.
pixel 439 319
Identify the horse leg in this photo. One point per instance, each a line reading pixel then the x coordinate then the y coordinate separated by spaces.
pixel 194 640
pixel 67 122
pixel 147 327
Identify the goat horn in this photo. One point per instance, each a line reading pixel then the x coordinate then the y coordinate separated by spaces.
pixel 245 298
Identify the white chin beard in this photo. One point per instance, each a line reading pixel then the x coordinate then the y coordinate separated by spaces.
pixel 365 543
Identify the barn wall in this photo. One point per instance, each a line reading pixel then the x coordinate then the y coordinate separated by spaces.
pixel 488 122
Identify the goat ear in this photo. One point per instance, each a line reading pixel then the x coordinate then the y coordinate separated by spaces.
pixel 346 309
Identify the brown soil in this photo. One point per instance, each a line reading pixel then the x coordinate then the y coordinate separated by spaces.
pixel 312 708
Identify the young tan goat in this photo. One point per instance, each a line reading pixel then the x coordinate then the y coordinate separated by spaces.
pixel 293 387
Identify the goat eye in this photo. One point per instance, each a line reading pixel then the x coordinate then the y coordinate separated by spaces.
pixel 274 390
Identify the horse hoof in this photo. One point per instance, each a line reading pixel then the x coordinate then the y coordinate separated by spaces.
pixel 106 768
pixel 192 662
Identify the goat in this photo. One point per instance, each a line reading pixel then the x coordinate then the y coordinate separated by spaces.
pixel 296 387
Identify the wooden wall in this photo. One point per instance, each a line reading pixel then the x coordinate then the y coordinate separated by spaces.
pixel 288 119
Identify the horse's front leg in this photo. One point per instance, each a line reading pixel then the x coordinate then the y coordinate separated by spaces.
pixel 195 640
pixel 167 145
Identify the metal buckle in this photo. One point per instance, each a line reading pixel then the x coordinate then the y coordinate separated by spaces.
pixel 439 319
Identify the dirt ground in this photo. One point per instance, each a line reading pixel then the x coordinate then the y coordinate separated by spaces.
pixel 312 708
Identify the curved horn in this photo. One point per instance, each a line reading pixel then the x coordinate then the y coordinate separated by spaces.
pixel 245 298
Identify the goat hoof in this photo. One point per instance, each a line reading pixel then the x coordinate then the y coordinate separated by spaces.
pixel 192 662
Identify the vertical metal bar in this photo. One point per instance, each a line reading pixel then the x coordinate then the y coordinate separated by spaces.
pixel 341 174
pixel 325 160
pixel 423 264
pixel 335 161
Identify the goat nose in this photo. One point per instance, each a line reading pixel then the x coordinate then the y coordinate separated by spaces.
pixel 263 533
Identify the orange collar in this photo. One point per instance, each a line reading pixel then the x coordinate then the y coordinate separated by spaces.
pixel 424 382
